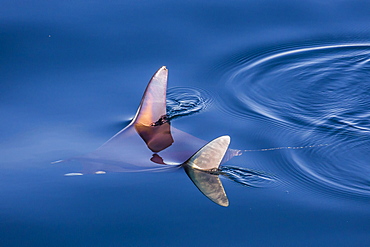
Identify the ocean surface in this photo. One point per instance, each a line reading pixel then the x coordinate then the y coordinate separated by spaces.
pixel 288 81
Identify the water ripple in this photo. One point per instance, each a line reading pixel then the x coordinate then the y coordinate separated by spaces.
pixel 247 177
pixel 321 95
pixel 183 101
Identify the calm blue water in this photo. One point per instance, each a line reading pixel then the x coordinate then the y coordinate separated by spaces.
pixel 271 74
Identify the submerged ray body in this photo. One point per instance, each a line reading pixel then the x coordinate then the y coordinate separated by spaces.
pixel 150 143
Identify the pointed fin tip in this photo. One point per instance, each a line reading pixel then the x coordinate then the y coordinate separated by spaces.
pixel 161 73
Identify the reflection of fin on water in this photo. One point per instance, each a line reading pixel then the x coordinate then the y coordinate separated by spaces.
pixel 206 160
pixel 151 143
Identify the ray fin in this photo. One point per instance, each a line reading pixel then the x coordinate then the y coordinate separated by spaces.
pixel 150 121
pixel 209 157
pixel 153 103
pixel 199 166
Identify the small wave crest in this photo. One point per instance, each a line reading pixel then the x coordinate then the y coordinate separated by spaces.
pixel 247 177
pixel 308 86
pixel 182 101
pixel 317 94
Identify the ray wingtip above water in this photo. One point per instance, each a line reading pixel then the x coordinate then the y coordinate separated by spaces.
pixel 153 103
pixel 225 138
pixel 207 159
pixel 161 73
pixel 160 76
pixel 210 156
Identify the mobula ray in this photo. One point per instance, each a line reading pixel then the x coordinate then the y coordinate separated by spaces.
pixel 149 142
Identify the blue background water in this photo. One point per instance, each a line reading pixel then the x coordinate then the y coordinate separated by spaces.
pixel 269 74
